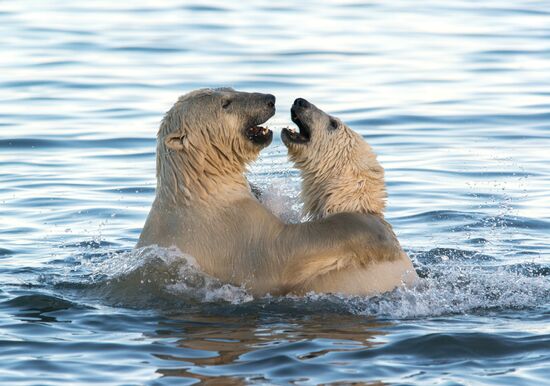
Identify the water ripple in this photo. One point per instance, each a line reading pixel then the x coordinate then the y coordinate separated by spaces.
pixel 452 96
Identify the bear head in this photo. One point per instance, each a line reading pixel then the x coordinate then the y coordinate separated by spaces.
pixel 340 172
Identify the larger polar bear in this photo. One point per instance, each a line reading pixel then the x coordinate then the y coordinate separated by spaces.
pixel 340 173
pixel 205 207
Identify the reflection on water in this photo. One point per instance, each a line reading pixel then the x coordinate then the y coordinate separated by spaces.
pixel 454 98
pixel 257 346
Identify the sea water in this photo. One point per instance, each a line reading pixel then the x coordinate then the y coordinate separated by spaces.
pixel 453 96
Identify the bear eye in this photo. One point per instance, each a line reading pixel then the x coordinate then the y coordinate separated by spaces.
pixel 226 103
pixel 333 124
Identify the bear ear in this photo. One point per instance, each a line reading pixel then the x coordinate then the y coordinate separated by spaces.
pixel 176 141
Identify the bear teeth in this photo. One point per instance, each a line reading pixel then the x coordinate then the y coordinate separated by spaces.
pixel 257 130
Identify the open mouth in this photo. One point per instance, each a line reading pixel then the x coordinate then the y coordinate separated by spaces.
pixel 302 136
pixel 259 135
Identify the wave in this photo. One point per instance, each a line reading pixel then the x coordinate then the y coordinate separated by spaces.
pixel 459 289
pixel 165 278
pixel 150 277
pixel 455 346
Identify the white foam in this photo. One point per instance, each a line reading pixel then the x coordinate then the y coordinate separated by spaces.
pixel 458 289
pixel 451 287
pixel 164 271
pixel 282 199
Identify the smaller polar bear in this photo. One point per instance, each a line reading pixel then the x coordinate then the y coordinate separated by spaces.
pixel 340 173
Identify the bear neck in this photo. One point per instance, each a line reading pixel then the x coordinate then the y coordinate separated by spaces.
pixel 347 185
pixel 190 179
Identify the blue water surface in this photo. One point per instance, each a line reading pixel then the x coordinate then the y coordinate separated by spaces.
pixel 453 96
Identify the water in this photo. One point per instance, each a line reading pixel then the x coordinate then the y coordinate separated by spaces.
pixel 453 96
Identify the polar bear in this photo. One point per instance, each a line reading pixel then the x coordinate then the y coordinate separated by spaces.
pixel 340 173
pixel 205 207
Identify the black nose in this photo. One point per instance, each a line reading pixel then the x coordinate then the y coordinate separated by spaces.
pixel 270 100
pixel 301 102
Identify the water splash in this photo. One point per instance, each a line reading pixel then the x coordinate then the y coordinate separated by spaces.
pixel 282 199
pixel 458 289
pixel 155 277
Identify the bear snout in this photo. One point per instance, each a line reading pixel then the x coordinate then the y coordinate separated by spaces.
pixel 270 99
pixel 302 103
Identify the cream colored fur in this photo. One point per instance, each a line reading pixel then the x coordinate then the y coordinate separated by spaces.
pixel 340 173
pixel 205 207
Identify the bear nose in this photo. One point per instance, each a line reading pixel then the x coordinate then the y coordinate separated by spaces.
pixel 301 102
pixel 270 100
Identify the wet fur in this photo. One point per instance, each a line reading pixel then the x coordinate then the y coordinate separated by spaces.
pixel 340 174
pixel 205 207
